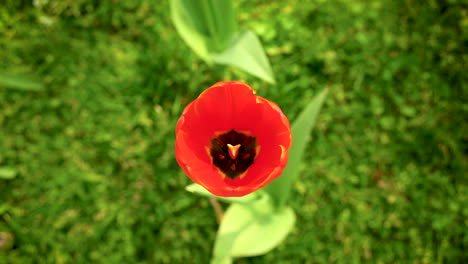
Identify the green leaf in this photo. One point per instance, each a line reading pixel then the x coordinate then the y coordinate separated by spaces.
pixel 280 188
pixel 251 229
pixel 246 53
pixel 198 189
pixel 207 26
pixel 20 82
pixel 7 173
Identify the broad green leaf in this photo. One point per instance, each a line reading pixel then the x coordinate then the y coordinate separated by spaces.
pixel 280 188
pixel 246 53
pixel 207 26
pixel 252 229
pixel 198 189
pixel 7 173
pixel 20 82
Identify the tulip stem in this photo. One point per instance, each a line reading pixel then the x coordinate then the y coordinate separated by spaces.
pixel 217 209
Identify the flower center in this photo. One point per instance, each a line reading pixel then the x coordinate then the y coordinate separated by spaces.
pixel 233 153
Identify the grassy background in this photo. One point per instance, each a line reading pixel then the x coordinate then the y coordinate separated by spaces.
pixel 92 151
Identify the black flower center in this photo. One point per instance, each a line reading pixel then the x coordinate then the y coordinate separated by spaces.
pixel 233 153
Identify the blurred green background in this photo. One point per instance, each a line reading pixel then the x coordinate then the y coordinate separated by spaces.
pixel 87 168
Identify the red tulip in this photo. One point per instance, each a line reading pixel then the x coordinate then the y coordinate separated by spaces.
pixel 232 142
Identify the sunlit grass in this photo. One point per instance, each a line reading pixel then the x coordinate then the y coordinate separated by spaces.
pixel 93 150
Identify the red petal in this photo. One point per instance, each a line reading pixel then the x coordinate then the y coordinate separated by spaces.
pixel 214 111
pixel 198 169
pixel 226 106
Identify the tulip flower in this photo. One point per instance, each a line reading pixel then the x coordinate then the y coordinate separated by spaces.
pixel 231 141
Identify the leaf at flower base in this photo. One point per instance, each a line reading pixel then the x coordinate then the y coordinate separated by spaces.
pixel 252 229
pixel 198 189
pixel 246 53
pixel 280 188
pixel 207 26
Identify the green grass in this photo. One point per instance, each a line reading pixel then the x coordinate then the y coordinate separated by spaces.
pixel 91 147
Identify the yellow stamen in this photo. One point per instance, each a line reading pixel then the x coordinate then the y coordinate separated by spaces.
pixel 233 150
